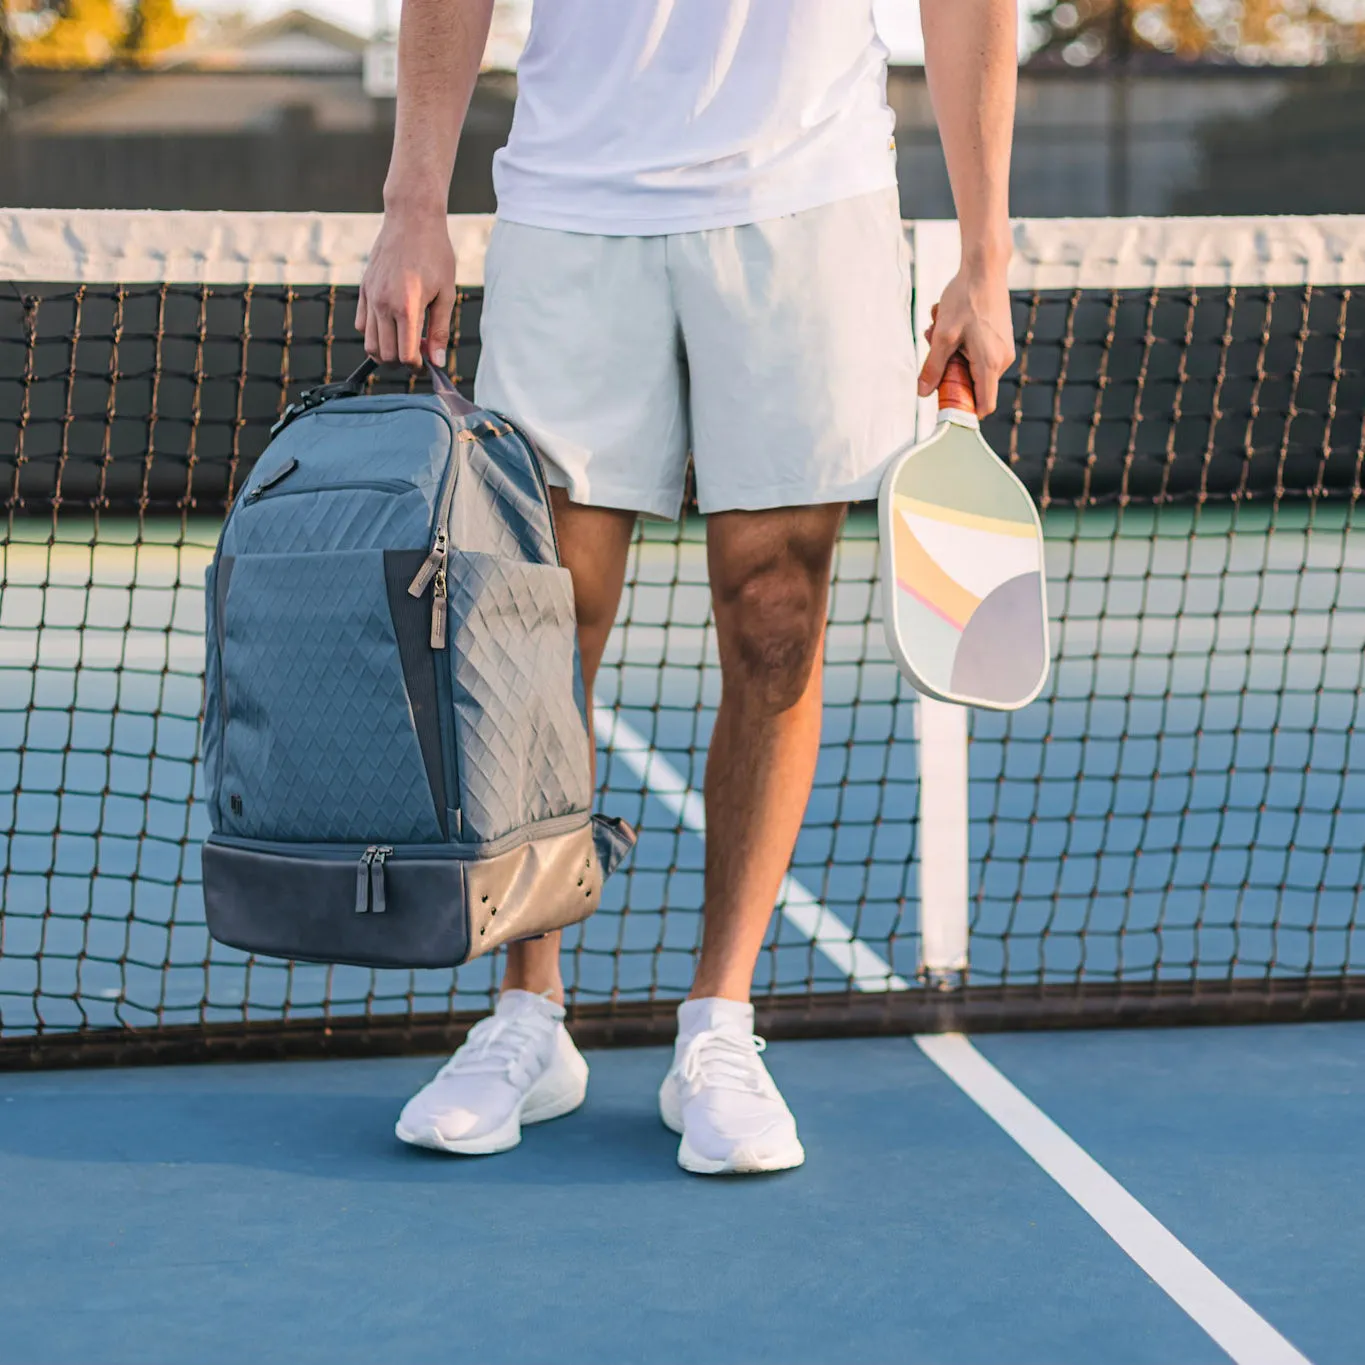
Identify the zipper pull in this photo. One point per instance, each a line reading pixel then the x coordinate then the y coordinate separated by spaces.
pixel 381 856
pixel 265 485
pixel 438 611
pixel 431 566
pixel 363 879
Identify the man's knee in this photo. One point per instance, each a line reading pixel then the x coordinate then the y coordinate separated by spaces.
pixel 771 623
pixel 595 602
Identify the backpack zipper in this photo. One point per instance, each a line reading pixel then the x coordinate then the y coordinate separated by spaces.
pixel 282 473
pixel 362 881
pixel 369 883
pixel 433 573
pixel 381 855
pixel 433 570
pixel 378 485
pixel 345 851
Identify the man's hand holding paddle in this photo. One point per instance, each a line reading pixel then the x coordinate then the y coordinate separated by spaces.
pixel 972 317
pixel 970 57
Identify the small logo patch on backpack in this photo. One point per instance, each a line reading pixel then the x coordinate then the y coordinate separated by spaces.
pixel 235 802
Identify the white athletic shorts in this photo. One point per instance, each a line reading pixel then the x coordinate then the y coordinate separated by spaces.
pixel 780 354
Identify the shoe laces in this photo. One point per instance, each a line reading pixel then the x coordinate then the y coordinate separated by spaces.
pixel 723 1059
pixel 495 1045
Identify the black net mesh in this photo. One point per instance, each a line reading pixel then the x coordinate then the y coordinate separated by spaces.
pixel 1171 831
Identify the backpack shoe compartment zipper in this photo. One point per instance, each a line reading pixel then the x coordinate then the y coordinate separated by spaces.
pixel 349 851
pixel 381 854
pixel 369 882
pixel 362 881
pixel 423 906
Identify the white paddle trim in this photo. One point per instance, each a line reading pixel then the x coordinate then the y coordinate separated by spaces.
pixel 959 418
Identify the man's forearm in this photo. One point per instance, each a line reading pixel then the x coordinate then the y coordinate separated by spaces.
pixel 970 57
pixel 440 45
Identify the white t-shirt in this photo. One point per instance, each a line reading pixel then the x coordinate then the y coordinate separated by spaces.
pixel 637 117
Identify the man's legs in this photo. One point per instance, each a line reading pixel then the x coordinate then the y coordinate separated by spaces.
pixel 594 543
pixel 769 582
pixel 779 353
pixel 801 370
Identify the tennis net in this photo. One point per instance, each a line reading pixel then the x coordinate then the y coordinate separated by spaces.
pixel 1171 833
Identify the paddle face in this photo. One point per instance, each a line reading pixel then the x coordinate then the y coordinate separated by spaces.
pixel 964 597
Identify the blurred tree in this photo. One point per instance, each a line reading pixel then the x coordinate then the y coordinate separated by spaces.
pixel 6 64
pixel 6 56
pixel 155 27
pixel 1290 32
pixel 79 33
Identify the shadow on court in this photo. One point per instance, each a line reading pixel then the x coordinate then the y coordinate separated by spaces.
pixel 329 1136
pixel 216 1213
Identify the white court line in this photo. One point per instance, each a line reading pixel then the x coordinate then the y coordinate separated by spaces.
pixel 804 912
pixel 1246 1336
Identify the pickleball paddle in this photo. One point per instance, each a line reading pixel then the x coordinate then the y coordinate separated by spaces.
pixel 964 595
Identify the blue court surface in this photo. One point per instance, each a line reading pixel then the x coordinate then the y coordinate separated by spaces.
pixel 1185 800
pixel 266 1212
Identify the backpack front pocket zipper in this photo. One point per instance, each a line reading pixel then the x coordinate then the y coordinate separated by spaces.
pixel 433 571
pixel 272 486
pixel 282 473
pixel 433 568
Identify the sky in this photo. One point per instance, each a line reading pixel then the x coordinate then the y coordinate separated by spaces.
pixel 897 19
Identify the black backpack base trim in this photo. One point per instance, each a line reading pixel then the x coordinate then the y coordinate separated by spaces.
pixel 414 906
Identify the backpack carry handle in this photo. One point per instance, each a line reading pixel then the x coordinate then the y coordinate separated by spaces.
pixel 441 383
pixel 354 384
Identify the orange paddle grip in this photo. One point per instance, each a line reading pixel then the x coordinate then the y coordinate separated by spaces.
pixel 955 388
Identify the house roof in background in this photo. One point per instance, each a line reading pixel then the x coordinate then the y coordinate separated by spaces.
pixel 294 41
pixel 197 101
pixel 234 78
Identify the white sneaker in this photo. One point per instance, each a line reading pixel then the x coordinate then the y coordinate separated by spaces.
pixel 719 1096
pixel 517 1066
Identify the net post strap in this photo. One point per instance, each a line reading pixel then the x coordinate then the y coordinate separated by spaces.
pixel 940 727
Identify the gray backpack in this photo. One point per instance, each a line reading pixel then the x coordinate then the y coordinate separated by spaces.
pixel 395 730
